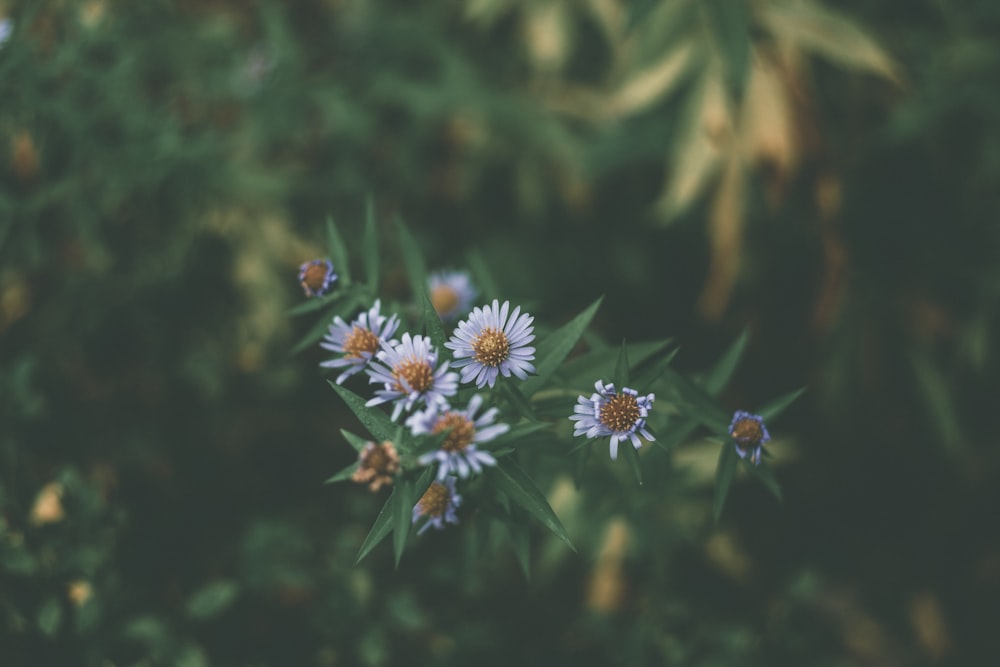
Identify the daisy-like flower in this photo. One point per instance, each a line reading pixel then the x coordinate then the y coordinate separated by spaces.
pixel 378 464
pixel 459 454
pixel 406 369
pixel 451 294
pixel 438 504
pixel 317 277
pixel 610 413
pixel 489 343
pixel 358 341
pixel 749 435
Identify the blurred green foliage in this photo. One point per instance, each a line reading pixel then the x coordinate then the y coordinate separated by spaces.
pixel 824 175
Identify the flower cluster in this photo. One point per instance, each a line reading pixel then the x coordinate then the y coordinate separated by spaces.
pixel 442 401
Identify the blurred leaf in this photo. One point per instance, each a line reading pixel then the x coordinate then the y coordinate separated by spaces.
pixel 403 501
pixel 824 31
pixel 413 259
pixel 621 376
pixel 703 407
pixel 774 408
pixel 338 252
pixel 212 600
pixel 511 480
pixel 484 279
pixel 376 421
pixel 381 527
pixel 344 474
pixel 556 347
pixel 518 433
pixel 370 245
pixel 432 322
pixel 765 475
pixel 49 617
pixel 520 542
pixel 723 369
pixel 648 86
pixel 630 454
pixel 730 21
pixel 728 460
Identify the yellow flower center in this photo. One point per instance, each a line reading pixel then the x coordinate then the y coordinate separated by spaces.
pixel 417 373
pixel 358 341
pixel 747 432
pixel 461 431
pixel 444 299
pixel 491 347
pixel 620 412
pixel 435 500
pixel 314 276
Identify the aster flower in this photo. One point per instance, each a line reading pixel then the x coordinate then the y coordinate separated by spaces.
pixel 358 341
pixel 490 343
pixel 406 369
pixel 438 504
pixel 451 293
pixel 459 453
pixel 317 276
pixel 749 435
pixel 378 464
pixel 610 413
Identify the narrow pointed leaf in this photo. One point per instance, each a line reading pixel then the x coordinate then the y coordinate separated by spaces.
pixel 312 337
pixel 520 542
pixel 402 516
pixel 517 401
pixel 774 408
pixel 510 479
pixel 381 528
pixel 723 369
pixel 629 453
pixel 699 404
pixel 728 460
pixel 416 268
pixel 338 252
pixel 517 433
pixel 730 21
pixel 766 477
pixel 621 377
pixel 373 419
pixel 313 304
pixel 343 474
pixel 477 265
pixel 556 347
pixel 432 322
pixel 370 247
pixel 355 441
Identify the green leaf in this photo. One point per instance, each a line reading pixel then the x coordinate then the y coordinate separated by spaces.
pixel 630 454
pixel 355 441
pixel 416 269
pixel 518 432
pixel 699 404
pixel 376 421
pixel 520 542
pixel 344 474
pixel 672 436
pixel 477 266
pixel 723 369
pixel 49 617
pixel 774 408
pixel 211 600
pixel 557 346
pixel 381 528
pixel 517 401
pixel 402 517
pixel 647 376
pixel 338 252
pixel 313 336
pixel 621 376
pixel 312 304
pixel 765 476
pixel 730 22
pixel 432 322
pixel 370 247
pixel 728 460
pixel 511 480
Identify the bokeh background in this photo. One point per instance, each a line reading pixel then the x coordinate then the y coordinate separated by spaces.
pixel 823 176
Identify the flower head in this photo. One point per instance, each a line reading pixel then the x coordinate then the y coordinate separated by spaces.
pixel 451 294
pixel 377 465
pixel 749 435
pixel 438 504
pixel 317 276
pixel 617 414
pixel 459 453
pixel 407 371
pixel 358 341
pixel 490 343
